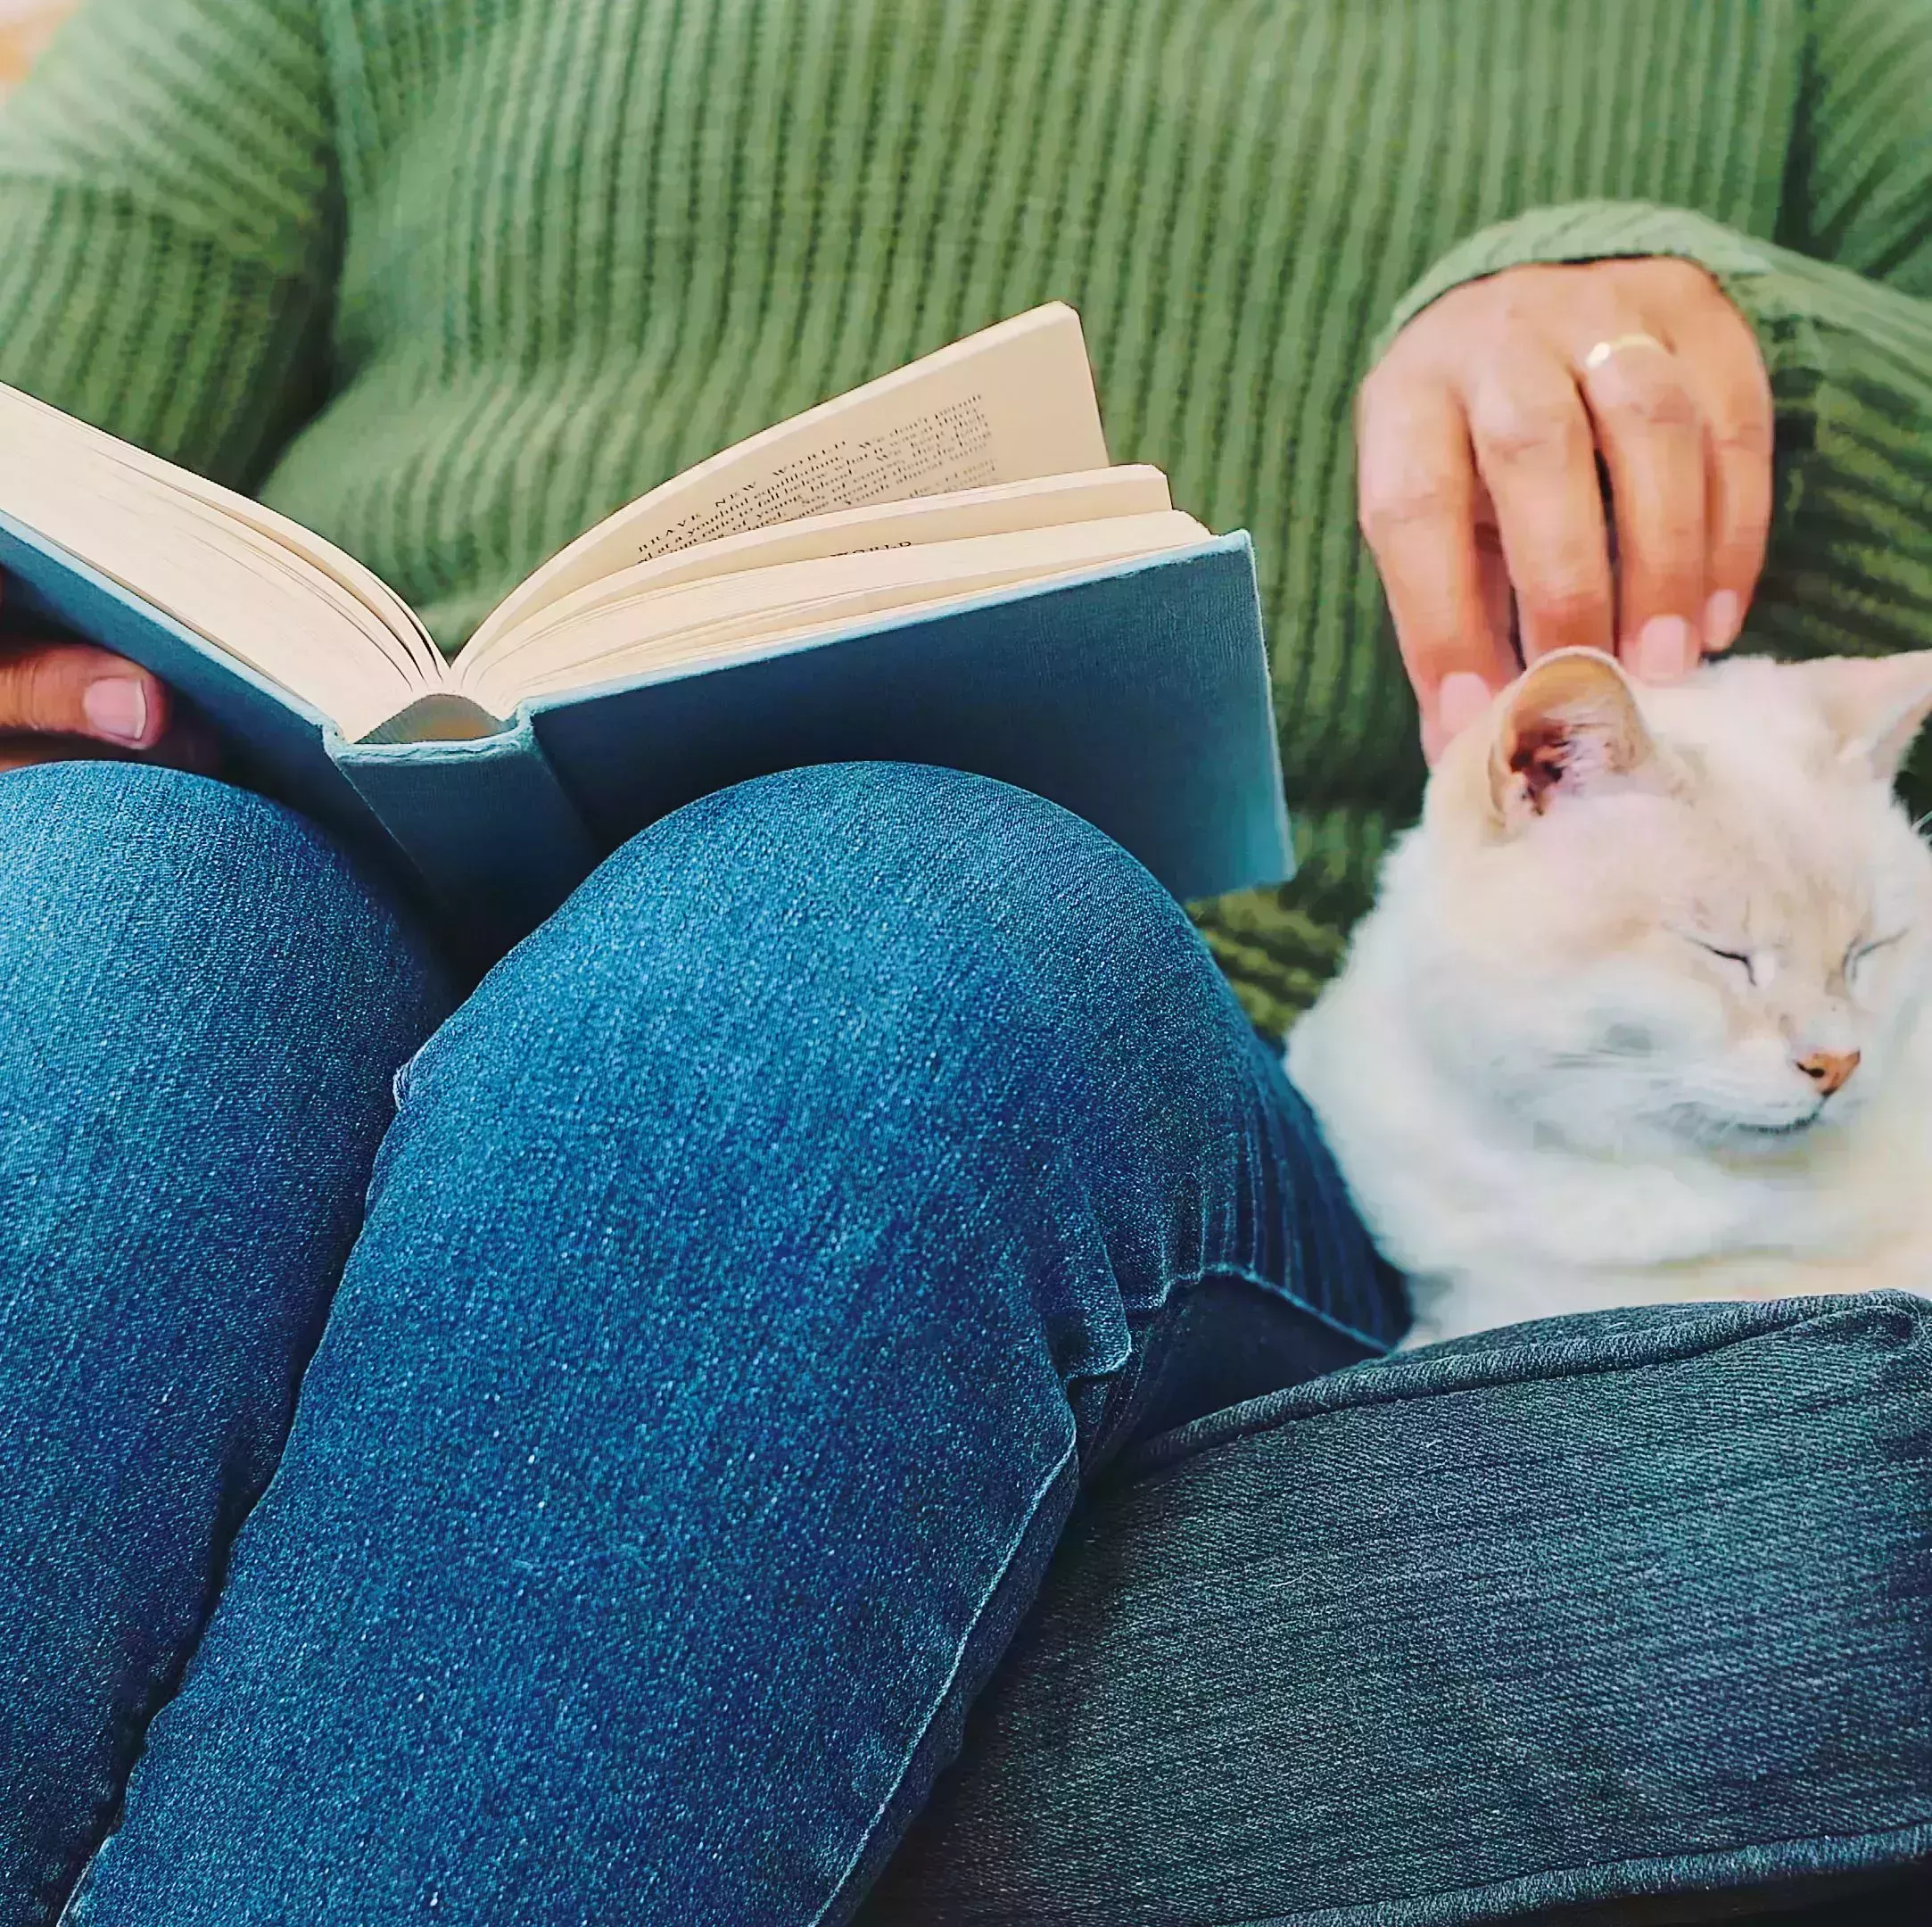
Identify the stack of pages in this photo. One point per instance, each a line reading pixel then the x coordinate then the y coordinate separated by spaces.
pixel 939 567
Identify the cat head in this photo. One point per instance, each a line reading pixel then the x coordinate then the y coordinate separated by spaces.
pixel 1675 917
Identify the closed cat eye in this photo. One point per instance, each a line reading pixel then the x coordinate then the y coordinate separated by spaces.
pixel 1859 951
pixel 1729 957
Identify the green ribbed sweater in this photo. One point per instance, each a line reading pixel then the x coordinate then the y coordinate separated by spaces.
pixel 449 279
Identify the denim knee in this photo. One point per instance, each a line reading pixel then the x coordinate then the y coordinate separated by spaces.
pixel 157 923
pixel 930 988
pixel 172 874
pixel 862 920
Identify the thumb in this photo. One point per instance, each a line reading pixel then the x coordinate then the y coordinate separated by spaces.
pixel 72 689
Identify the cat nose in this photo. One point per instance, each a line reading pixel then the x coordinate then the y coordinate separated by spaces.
pixel 1830 1070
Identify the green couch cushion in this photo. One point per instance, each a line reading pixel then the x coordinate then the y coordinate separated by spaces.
pixel 1631 1605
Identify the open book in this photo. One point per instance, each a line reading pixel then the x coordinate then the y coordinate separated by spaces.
pixel 974 483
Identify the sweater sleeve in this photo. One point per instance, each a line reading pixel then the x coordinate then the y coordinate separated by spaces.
pixel 1843 316
pixel 167 226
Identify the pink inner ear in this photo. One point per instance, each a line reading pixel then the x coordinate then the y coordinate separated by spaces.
pixel 1539 753
pixel 1569 723
pixel 1550 752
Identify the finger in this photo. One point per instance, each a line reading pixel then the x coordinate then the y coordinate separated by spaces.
pixel 74 689
pixel 1725 371
pixel 1416 495
pixel 1650 427
pixel 1534 446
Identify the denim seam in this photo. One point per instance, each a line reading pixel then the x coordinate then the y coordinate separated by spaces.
pixel 1171 1294
pixel 1029 1514
pixel 1149 1318
pixel 1140 1386
pixel 68 1913
pixel 1478 1372
pixel 1480 1902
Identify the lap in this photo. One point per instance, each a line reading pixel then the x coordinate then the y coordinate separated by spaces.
pixel 857 1156
pixel 818 990
pixel 924 966
pixel 203 1006
pixel 839 972
pixel 844 975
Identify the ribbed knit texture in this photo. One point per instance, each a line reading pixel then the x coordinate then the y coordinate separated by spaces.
pixel 450 281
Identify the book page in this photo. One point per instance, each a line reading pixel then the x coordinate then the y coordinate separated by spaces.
pixel 713 622
pixel 1011 402
pixel 378 609
pixel 217 564
pixel 1006 509
pixel 255 608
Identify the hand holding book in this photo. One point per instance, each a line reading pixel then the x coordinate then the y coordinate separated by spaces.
pixel 940 566
pixel 60 700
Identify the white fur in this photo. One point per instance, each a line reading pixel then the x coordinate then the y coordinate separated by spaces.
pixel 1546 1097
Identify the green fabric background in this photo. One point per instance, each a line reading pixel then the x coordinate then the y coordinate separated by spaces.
pixel 448 282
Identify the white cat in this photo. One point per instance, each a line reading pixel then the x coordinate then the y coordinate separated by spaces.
pixel 1640 1016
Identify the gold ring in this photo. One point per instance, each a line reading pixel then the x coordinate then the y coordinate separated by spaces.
pixel 1615 345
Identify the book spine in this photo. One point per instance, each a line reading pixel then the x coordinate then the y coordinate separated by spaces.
pixel 495 837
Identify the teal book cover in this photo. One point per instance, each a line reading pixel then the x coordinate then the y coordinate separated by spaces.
pixel 1135 694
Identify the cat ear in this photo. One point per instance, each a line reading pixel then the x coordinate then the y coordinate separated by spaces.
pixel 1874 705
pixel 1568 726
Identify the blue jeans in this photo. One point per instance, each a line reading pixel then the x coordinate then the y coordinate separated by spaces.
pixel 696 1366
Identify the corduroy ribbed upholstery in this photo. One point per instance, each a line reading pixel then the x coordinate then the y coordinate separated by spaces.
pixel 449 282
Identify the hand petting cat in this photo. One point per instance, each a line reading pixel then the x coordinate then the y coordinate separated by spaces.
pixel 1486 435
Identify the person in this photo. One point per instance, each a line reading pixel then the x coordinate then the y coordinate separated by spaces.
pixel 702 1331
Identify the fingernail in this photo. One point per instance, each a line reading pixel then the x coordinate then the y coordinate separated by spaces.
pixel 1463 696
pixel 1665 649
pixel 1721 620
pixel 117 708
